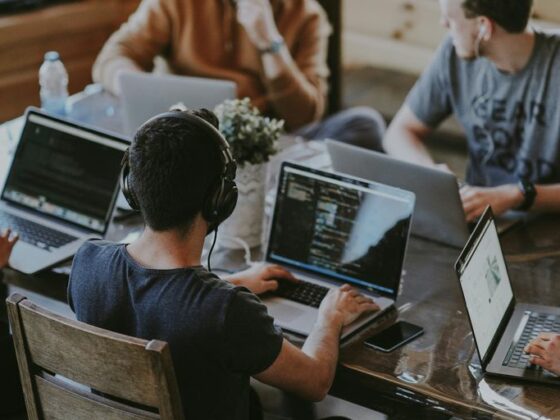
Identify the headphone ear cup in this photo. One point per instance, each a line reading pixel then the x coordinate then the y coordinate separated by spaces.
pixel 230 199
pixel 126 187
pixel 220 203
pixel 210 209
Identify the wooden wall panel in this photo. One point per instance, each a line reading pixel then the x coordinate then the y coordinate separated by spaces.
pixel 403 34
pixel 396 34
pixel 76 30
pixel 414 22
pixel 547 10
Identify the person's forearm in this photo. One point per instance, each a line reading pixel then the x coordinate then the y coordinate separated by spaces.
pixel 322 346
pixel 405 145
pixel 233 278
pixel 276 64
pixel 548 198
pixel 106 71
pixel 294 98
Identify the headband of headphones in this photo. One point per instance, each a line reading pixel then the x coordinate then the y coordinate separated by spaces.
pixel 221 198
pixel 221 142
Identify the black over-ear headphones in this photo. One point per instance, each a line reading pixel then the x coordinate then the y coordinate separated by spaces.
pixel 221 197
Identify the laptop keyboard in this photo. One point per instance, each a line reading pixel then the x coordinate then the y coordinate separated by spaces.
pixel 34 233
pixel 309 294
pixel 536 324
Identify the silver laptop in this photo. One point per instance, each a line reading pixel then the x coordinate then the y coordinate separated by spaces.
pixel 439 212
pixel 501 326
pixel 60 189
pixel 330 229
pixel 145 95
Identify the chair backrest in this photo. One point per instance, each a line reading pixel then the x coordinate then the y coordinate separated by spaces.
pixel 62 360
pixel 333 8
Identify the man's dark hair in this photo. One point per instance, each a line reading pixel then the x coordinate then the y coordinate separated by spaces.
pixel 512 15
pixel 173 163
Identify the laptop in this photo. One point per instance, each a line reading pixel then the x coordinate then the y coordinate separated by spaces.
pixel 145 95
pixel 501 326
pixel 439 212
pixel 60 189
pixel 331 229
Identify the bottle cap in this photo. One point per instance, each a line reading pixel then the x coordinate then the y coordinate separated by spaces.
pixel 52 56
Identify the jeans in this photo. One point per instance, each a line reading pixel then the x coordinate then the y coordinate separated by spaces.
pixel 359 126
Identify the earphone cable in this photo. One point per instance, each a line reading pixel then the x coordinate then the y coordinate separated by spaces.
pixel 212 249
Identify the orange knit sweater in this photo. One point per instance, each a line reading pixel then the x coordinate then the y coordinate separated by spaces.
pixel 202 38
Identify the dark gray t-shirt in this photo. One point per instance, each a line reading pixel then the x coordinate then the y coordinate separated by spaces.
pixel 219 335
pixel 512 121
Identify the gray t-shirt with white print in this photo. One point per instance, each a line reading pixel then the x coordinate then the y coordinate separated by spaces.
pixel 512 121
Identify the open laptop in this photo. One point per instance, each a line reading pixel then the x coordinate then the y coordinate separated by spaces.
pixel 439 212
pixel 330 229
pixel 60 189
pixel 145 95
pixel 501 326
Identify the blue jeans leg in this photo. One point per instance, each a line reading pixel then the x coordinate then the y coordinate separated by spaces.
pixel 360 126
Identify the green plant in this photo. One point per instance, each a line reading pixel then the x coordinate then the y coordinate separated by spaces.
pixel 251 136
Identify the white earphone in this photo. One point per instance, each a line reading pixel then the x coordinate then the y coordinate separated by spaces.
pixel 481 32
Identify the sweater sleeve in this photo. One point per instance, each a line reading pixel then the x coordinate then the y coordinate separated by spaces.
pixel 298 94
pixel 134 46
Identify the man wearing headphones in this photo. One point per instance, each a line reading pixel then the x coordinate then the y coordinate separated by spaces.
pixel 499 77
pixel 180 174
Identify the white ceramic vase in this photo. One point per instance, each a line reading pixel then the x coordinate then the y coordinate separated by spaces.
pixel 245 224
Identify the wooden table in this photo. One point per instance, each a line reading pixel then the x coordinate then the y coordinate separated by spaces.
pixel 440 372
pixel 437 375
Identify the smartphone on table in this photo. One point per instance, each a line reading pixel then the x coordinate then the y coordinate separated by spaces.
pixel 394 336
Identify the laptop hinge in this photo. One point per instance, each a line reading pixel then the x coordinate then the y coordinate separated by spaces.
pixel 499 333
pixel 62 222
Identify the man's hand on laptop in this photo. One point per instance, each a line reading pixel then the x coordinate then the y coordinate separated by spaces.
pixel 7 242
pixel 545 352
pixel 261 278
pixel 344 305
pixel 502 198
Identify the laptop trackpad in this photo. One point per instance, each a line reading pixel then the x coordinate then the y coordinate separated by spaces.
pixel 284 311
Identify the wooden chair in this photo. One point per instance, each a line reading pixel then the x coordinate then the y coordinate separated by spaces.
pixel 333 8
pixel 133 378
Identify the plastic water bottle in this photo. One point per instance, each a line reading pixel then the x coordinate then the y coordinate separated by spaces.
pixel 53 79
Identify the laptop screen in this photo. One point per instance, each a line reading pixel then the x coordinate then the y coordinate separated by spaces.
pixel 485 284
pixel 342 228
pixel 166 90
pixel 65 171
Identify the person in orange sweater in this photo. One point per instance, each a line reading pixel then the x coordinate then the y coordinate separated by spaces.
pixel 274 50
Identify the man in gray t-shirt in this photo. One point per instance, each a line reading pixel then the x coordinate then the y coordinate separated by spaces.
pixel 500 79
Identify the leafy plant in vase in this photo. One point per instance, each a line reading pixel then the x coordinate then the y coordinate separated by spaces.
pixel 252 139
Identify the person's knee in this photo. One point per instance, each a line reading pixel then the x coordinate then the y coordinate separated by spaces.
pixel 359 126
pixel 366 116
pixel 365 127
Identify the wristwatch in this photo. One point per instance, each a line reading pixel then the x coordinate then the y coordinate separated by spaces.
pixel 529 192
pixel 274 47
